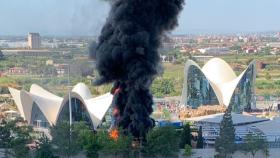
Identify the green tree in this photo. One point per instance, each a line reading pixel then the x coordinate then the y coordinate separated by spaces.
pixel 200 141
pixel 163 87
pixel 188 151
pixel 225 143
pixel 255 143
pixel 65 142
pixel 267 76
pixel 44 148
pixel 120 147
pixel 90 142
pixel 161 141
pixel 20 150
pixel 266 50
pixel 236 48
pixel 186 136
pixel 5 137
pixel 17 137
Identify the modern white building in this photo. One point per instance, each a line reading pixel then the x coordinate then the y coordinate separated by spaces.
pixel 217 84
pixel 41 108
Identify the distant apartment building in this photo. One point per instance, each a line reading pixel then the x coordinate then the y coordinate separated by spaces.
pixel 61 69
pixel 17 71
pixel 202 58
pixel 215 50
pixel 34 40
pixel 30 53
pixel 274 44
pixel 251 50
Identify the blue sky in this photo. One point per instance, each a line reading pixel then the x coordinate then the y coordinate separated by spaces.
pixel 85 17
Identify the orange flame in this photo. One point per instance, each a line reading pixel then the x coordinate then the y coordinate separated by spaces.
pixel 114 134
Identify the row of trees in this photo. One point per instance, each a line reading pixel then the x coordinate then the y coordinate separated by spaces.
pixel 225 144
pixel 79 138
pixel 161 141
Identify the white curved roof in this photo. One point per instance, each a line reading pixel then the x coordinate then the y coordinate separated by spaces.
pixel 51 105
pixel 218 71
pixel 20 98
pixel 221 77
pixel 82 90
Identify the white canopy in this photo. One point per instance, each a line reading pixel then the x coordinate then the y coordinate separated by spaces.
pixel 51 105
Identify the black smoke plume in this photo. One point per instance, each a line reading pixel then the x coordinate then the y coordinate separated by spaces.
pixel 127 54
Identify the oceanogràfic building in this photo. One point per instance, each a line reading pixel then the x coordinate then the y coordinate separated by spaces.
pixel 41 108
pixel 217 84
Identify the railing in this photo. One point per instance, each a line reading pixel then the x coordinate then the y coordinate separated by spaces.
pixel 44 131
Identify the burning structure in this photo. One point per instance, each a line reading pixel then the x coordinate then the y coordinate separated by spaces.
pixel 127 54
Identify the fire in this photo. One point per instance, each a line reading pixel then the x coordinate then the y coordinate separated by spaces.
pixel 114 134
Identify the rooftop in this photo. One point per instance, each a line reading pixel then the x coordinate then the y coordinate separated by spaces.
pixel 238 119
pixel 269 128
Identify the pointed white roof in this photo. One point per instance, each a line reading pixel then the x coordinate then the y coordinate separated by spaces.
pixel 24 103
pixel 51 105
pixel 82 90
pixel 221 77
pixel 218 71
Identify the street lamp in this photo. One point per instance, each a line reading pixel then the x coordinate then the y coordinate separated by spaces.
pixel 70 108
pixel 69 91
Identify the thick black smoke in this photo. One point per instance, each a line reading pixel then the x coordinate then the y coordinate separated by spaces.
pixel 127 54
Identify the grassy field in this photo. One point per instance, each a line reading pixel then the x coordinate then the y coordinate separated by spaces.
pixel 174 72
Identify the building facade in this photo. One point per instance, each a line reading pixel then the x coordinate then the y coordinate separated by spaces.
pixel 34 41
pixel 216 84
pixel 17 71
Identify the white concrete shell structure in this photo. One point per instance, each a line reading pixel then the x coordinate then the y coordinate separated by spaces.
pixel 47 107
pixel 216 83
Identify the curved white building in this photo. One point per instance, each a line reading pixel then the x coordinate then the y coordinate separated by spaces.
pixel 42 108
pixel 217 84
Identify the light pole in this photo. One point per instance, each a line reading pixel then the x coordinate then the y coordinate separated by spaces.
pixel 69 91
pixel 70 110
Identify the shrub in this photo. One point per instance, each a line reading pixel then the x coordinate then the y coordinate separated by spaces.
pixel 185 136
pixel 161 141
pixel 188 150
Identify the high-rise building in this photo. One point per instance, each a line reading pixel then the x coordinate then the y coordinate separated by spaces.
pixel 34 40
pixel 1 55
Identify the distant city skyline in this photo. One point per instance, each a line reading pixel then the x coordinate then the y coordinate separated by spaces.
pixel 86 17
